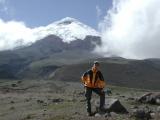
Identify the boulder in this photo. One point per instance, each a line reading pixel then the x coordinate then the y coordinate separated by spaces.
pixel 57 100
pixel 158 109
pixel 12 102
pixel 142 113
pixel 153 115
pixel 40 101
pixel 113 114
pixel 14 85
pixel 152 98
pixel 112 105
pixel 158 101
pixel 98 115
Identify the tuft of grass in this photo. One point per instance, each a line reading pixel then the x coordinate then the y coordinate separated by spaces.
pixel 62 105
pixel 60 117
pixel 28 117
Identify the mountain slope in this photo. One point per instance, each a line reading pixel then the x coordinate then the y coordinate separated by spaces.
pixel 63 42
pixel 117 71
pixel 44 56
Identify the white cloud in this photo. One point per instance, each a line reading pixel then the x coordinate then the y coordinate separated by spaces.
pixel 131 29
pixel 98 12
pixel 14 34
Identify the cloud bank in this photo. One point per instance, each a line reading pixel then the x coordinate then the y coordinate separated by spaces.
pixel 131 29
pixel 14 34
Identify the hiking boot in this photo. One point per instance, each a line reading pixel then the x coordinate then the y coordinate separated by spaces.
pixel 102 110
pixel 89 114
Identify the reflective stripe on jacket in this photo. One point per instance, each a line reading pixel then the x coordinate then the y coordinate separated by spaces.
pixel 98 82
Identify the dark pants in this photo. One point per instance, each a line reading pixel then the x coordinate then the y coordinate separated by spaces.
pixel 88 94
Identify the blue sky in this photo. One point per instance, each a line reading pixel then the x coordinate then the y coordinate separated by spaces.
pixel 36 13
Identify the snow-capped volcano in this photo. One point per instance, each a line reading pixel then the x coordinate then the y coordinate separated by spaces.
pixel 17 34
pixel 67 29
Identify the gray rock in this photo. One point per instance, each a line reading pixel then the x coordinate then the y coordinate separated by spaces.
pixel 138 113
pixel 113 114
pixel 158 101
pixel 97 115
pixel 14 85
pixel 158 109
pixel 142 113
pixel 152 115
pixel 12 108
pixel 12 102
pixel 107 115
pixel 40 101
pixel 134 107
pixel 117 94
pixel 143 98
pixel 122 96
pixel 57 100
pixel 19 81
pixel 152 98
pixel 112 105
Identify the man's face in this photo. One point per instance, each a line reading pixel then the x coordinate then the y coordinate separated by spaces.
pixel 96 66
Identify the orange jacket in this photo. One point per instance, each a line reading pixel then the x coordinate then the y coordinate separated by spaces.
pixel 93 79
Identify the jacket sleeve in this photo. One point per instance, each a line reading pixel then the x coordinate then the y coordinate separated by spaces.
pixel 102 83
pixel 101 76
pixel 84 76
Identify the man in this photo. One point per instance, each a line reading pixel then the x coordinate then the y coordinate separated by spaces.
pixel 93 81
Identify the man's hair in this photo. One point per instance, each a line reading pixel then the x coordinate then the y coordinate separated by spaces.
pixel 96 63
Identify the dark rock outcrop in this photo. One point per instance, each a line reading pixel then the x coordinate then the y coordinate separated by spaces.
pixel 151 98
pixel 112 105
pixel 143 113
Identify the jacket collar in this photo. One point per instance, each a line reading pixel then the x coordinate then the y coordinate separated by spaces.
pixel 94 70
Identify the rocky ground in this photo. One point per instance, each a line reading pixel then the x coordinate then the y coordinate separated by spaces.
pixel 58 100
